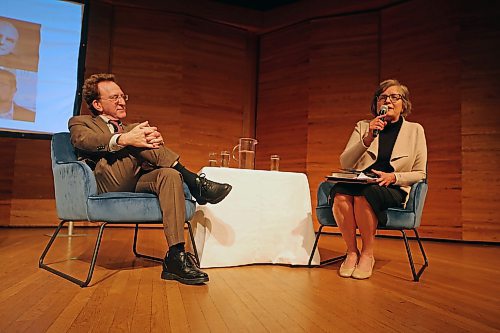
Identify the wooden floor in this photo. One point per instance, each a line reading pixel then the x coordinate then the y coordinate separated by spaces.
pixel 459 292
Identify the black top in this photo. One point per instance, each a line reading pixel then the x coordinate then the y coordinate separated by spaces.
pixel 386 143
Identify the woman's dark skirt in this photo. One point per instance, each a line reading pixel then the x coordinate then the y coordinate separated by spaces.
pixel 379 197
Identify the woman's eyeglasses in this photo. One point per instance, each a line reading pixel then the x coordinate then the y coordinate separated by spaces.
pixel 392 97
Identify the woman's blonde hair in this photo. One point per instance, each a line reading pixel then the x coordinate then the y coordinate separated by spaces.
pixel 405 94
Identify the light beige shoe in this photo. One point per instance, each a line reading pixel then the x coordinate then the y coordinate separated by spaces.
pixel 361 275
pixel 346 272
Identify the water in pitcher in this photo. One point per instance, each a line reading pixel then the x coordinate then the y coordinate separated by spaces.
pixel 247 159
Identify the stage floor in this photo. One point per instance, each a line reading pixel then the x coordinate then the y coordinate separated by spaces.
pixel 458 292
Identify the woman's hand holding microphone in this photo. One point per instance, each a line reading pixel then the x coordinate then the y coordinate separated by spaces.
pixel 376 125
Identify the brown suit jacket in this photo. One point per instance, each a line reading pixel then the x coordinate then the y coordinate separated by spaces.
pixel 408 158
pixel 90 136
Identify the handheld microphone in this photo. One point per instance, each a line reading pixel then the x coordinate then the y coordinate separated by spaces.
pixel 382 111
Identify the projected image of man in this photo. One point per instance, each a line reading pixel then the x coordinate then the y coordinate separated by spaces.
pixel 8 38
pixel 8 108
pixel 19 44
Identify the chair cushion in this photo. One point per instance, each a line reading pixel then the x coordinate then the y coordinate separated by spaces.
pixel 123 207
pixel 397 218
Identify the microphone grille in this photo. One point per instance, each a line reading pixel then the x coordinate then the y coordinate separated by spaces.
pixel 383 109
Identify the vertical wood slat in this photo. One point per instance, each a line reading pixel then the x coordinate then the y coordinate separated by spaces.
pixel 147 60
pixel 217 72
pixel 342 73
pixel 420 49
pixel 7 162
pixel 480 122
pixel 283 99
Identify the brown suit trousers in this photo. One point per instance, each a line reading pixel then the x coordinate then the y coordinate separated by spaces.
pixel 121 170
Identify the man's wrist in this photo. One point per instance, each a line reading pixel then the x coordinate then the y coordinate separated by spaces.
pixel 119 140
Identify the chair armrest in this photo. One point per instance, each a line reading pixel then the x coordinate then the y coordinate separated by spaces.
pixel 417 196
pixel 324 208
pixel 324 194
pixel 74 182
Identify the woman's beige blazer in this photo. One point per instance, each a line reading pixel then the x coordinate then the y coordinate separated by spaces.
pixel 408 158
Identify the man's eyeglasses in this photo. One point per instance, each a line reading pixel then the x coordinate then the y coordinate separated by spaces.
pixel 116 98
pixel 392 97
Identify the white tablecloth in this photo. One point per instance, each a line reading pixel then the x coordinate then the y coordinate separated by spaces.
pixel 265 219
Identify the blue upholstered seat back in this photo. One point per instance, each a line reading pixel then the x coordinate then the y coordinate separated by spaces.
pixel 74 181
pixel 397 218
pixel 62 150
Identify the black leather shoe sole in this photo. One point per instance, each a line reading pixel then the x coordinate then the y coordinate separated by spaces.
pixel 170 276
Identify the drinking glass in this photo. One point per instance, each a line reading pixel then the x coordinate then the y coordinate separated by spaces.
pixel 212 159
pixel 275 162
pixel 224 158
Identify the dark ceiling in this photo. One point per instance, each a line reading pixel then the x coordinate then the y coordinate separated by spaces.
pixel 262 5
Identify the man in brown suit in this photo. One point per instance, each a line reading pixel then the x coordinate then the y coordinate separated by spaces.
pixel 133 158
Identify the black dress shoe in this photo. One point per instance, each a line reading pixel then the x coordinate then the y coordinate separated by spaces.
pixel 181 266
pixel 209 191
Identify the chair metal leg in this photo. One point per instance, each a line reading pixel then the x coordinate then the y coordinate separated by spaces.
pixel 49 244
pixel 140 255
pixel 79 282
pixel 327 261
pixel 195 250
pixel 416 275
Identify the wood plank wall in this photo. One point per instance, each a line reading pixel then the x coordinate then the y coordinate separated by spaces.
pixel 196 79
pixel 193 78
pixel 283 99
pixel 448 56
pixel 479 44
pixel 421 49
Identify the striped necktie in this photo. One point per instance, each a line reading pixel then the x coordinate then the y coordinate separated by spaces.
pixel 117 126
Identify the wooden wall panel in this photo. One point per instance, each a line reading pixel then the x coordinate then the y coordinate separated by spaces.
pixel 147 60
pixel 218 89
pixel 283 98
pixel 8 153
pixel 26 183
pixel 193 79
pixel 343 71
pixel 480 96
pixel 98 52
pixel 99 36
pixel 33 188
pixel 196 80
pixel 448 57
pixel 420 48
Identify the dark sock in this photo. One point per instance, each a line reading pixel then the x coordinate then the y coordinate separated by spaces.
pixel 188 176
pixel 174 249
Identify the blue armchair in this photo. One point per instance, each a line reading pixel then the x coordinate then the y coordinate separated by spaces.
pixel 400 219
pixel 77 200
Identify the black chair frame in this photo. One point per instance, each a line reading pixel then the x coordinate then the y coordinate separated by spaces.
pixel 85 283
pixel 416 275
